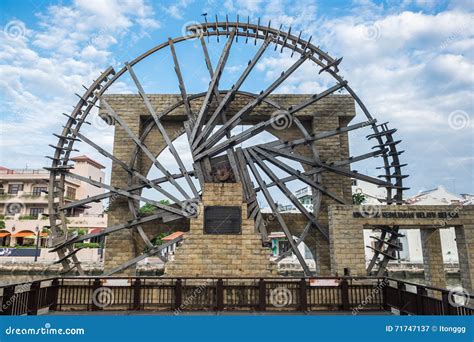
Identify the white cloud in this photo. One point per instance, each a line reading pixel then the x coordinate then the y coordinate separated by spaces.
pixel 410 68
pixel 42 69
pixel 176 10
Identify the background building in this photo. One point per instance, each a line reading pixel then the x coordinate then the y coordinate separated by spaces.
pixel 24 200
pixel 411 252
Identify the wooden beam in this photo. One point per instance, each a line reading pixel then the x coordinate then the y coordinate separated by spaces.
pixel 108 194
pixel 262 125
pixel 143 147
pixel 182 88
pixel 127 168
pixel 288 193
pixel 108 230
pixel 162 130
pixel 316 136
pixel 316 97
pixel 299 240
pixel 319 170
pixel 214 83
pixel 230 152
pixel 331 168
pixel 250 194
pixel 125 193
pixel 234 121
pixel 147 254
pixel 229 96
pixel 299 175
pixel 274 208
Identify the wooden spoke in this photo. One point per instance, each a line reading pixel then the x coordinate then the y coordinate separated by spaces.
pixel 291 178
pixel 134 173
pixel 126 193
pixel 108 194
pixel 250 194
pixel 236 139
pixel 298 175
pixel 319 170
pixel 109 230
pixel 316 136
pixel 317 97
pixel 334 169
pixel 298 241
pixel 182 88
pixel 230 152
pixel 162 130
pixel 220 110
pixel 128 169
pixel 359 158
pixel 237 118
pixel 151 252
pixel 211 72
pixel 261 126
pixel 143 147
pixel 274 208
pixel 288 193
pixel 214 84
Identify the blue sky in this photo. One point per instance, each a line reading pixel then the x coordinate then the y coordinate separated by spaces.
pixel 410 61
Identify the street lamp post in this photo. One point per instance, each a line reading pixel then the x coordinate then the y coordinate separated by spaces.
pixel 37 243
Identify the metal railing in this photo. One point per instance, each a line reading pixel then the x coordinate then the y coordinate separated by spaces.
pixel 350 294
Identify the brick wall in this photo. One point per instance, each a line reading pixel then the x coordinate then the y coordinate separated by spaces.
pixel 347 241
pixel 217 254
pixel 327 114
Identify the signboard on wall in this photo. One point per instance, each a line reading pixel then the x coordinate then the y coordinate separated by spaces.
pixel 222 220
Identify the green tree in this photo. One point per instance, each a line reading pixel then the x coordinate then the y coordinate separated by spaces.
pixel 149 209
pixel 157 240
pixel 358 198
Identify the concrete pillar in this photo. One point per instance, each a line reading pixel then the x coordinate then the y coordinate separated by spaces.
pixel 433 257
pixel 346 244
pixel 465 245
pixel 322 256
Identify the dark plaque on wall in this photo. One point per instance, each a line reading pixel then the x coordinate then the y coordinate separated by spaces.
pixel 222 220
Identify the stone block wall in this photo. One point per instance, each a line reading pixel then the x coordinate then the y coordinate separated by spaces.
pixel 465 245
pixel 221 254
pixel 347 242
pixel 433 264
pixel 330 113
